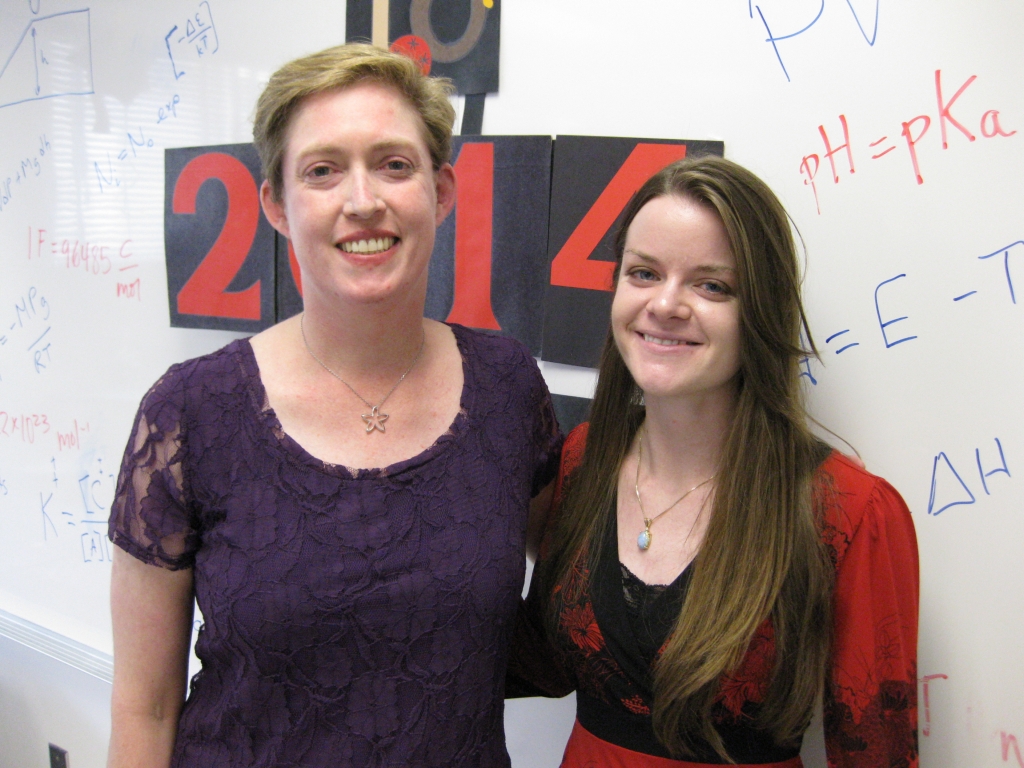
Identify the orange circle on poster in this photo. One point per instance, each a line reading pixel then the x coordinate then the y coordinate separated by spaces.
pixel 415 48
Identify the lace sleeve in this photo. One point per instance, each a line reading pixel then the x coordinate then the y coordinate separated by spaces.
pixel 547 437
pixel 150 516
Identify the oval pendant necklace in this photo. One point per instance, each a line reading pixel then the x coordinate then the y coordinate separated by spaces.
pixel 643 541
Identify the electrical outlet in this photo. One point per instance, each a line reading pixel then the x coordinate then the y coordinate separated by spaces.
pixel 58 757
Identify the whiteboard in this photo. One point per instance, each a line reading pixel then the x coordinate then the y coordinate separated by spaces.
pixel 913 233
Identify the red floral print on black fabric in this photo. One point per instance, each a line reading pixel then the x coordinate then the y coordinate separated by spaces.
pixel 636 705
pixel 884 734
pixel 581 626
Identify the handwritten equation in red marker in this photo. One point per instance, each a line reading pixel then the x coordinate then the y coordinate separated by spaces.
pixel 72 438
pixel 1010 748
pixel 88 257
pixel 912 133
pixel 927 729
pixel 24 425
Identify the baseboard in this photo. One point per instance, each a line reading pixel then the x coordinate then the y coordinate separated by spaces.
pixel 57 646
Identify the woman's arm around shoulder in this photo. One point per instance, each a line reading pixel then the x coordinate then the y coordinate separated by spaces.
pixel 151 608
pixel 545 502
pixel 535 667
pixel 871 693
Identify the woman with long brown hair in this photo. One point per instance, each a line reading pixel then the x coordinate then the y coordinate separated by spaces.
pixel 713 569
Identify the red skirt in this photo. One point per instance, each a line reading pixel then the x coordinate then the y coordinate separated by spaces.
pixel 585 750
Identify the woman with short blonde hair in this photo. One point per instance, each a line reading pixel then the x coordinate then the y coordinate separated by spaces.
pixel 345 494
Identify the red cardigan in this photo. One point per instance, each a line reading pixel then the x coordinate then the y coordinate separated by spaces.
pixel 871 692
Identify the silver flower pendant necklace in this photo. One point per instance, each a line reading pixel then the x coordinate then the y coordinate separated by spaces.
pixel 643 541
pixel 375 419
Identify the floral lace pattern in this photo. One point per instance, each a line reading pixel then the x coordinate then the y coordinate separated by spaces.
pixel 352 618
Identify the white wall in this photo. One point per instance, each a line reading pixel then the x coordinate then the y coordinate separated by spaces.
pixel 44 701
pixel 925 414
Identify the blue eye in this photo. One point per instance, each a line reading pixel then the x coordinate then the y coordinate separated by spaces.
pixel 715 288
pixel 320 171
pixel 397 166
pixel 643 274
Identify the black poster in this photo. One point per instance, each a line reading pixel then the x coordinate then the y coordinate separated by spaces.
pixel 289 281
pixel 592 179
pixel 489 267
pixel 219 247
pixel 570 411
pixel 452 38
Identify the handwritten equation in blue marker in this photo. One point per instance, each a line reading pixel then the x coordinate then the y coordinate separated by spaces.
pixel 949 488
pixel 845 347
pixel 776 37
pixel 841 341
pixel 1014 248
pixel 168 110
pixel 53 57
pixel 887 301
pixel 28 326
pixel 195 36
pixel 108 171
pixel 884 324
pixel 87 521
pixel 26 170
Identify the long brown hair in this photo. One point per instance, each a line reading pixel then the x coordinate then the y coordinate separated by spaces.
pixel 762 556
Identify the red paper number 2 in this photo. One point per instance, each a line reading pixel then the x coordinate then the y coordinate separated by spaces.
pixel 205 292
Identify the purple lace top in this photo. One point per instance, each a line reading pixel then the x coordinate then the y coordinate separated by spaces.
pixel 350 618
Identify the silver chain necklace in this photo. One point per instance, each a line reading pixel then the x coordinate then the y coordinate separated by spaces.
pixel 375 419
pixel 643 541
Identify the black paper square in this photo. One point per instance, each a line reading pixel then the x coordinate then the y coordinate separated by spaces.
pixel 519 226
pixel 190 240
pixel 576 319
pixel 463 36
pixel 289 295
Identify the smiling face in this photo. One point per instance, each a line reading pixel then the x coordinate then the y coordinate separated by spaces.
pixel 675 314
pixel 360 200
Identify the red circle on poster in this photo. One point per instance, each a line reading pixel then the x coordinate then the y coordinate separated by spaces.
pixel 415 48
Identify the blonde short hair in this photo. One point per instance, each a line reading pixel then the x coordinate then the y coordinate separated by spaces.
pixel 341 67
